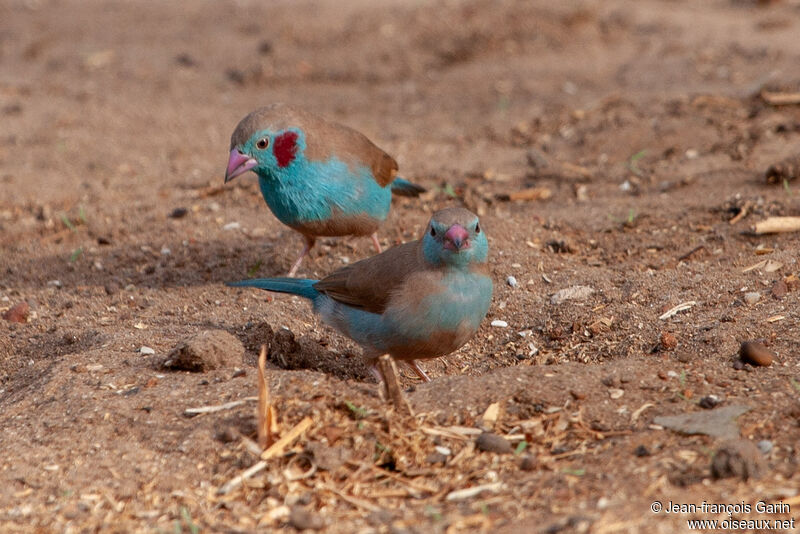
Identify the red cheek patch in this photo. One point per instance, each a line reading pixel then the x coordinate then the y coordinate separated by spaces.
pixel 285 148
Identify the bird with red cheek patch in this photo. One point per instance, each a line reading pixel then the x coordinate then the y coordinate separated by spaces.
pixel 318 177
pixel 416 301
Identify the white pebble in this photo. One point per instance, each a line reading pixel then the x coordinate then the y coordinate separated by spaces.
pixel 752 297
pixel 500 324
pixel 165 251
pixel 232 226
pixel 443 450
pixel 54 283
pixel 145 350
pixel 511 281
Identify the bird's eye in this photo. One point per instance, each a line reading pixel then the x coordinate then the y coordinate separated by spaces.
pixel 433 231
pixel 263 143
pixel 477 228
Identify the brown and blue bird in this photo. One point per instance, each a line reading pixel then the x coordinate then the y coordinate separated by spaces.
pixel 318 177
pixel 419 300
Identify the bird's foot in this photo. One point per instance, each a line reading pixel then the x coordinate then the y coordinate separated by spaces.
pixel 376 242
pixel 417 369
pixel 303 254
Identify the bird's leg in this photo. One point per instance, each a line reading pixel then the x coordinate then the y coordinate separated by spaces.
pixel 376 242
pixel 417 369
pixel 309 243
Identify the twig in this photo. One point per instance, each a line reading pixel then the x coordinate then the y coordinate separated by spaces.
pixel 743 211
pixel 389 372
pixel 677 309
pixel 466 493
pixel 218 407
pixel 238 480
pixel 453 432
pixel 780 99
pixel 265 412
pixel 355 501
pixel 689 254
pixel 774 225
pixel 276 449
pixel 279 446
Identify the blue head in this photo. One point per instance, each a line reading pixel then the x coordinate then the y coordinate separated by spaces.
pixel 267 141
pixel 454 237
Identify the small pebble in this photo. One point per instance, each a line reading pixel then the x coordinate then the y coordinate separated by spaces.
pixel 615 393
pixel 489 442
pixel 765 446
pixel 232 226
pixel 145 350
pixel 178 213
pixel 528 463
pixel 55 283
pixel 709 401
pixel 18 314
pixel 238 372
pixel 756 354
pixel 303 519
pixel 668 340
pixel 500 324
pixel 752 297
pixel 443 450
pixel 641 451
pixel 512 281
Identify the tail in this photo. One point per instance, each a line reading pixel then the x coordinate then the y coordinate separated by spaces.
pixel 294 286
pixel 404 188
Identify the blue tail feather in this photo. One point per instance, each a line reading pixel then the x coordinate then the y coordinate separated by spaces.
pixel 405 188
pixel 294 286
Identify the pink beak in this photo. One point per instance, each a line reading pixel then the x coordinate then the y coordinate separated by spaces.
pixel 238 163
pixel 456 238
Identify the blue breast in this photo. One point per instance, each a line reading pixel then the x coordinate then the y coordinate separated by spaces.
pixel 462 304
pixel 459 307
pixel 312 191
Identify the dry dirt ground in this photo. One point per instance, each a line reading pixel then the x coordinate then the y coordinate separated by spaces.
pixel 645 122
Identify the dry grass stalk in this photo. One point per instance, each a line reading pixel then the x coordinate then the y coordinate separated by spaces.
pixel 774 98
pixel 277 448
pixel 393 392
pixel 774 225
pixel 265 411
pixel 532 193
pixel 218 407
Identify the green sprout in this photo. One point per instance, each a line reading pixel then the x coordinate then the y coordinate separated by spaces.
pixel 357 411
pixel 254 269
pixel 633 162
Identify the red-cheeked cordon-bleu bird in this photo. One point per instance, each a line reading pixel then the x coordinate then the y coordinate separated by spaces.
pixel 318 177
pixel 419 300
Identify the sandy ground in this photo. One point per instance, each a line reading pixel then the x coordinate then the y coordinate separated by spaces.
pixel 646 124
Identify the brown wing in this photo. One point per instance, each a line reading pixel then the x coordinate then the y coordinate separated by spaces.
pixel 368 284
pixel 323 139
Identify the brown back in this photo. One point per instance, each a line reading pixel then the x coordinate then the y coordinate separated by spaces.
pixel 323 138
pixel 369 284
